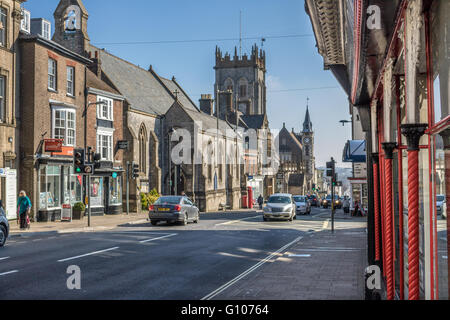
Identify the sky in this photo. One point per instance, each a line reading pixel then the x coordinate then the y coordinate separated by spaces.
pixel 294 67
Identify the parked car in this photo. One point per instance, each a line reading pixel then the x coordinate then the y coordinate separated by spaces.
pixel 280 206
pixel 4 227
pixel 302 205
pixel 173 209
pixel 444 210
pixel 314 200
pixel 440 200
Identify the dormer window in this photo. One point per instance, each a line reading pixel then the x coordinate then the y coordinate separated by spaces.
pixel 25 23
pixel 46 30
pixel 3 25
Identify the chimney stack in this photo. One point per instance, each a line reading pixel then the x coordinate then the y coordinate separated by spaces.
pixel 207 104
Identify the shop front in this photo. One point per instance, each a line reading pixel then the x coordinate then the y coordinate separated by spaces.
pixel 57 186
pixel 106 192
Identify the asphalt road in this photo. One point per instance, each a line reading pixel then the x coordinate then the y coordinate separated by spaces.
pixel 147 262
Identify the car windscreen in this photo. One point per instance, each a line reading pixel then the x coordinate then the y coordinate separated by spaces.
pixel 279 199
pixel 168 200
pixel 440 198
pixel 299 199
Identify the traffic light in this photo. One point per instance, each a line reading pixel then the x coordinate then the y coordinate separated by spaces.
pixel 135 170
pixel 97 157
pixel 79 161
pixel 314 187
pixel 330 168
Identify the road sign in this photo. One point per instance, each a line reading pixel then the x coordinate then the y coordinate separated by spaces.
pixel 123 145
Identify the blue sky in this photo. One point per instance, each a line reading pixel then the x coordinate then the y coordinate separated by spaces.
pixel 292 63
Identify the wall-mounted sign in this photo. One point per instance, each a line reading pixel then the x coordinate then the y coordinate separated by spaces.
pixel 65 151
pixel 123 145
pixel 53 145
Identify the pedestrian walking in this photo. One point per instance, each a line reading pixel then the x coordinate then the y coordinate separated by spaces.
pixel 260 202
pixel 23 210
pixel 346 205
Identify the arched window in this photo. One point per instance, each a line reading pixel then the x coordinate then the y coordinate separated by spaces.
pixel 243 88
pixel 143 149
pixel 229 85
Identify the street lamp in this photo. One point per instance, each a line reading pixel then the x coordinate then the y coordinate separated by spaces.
pixel 344 122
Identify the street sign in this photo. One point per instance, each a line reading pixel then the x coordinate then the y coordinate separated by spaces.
pixel 123 145
pixel 114 175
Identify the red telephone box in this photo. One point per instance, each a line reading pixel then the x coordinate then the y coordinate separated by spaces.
pixel 250 197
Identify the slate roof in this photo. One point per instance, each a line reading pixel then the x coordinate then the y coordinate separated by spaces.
pixel 210 122
pixel 254 121
pixel 296 180
pixel 141 88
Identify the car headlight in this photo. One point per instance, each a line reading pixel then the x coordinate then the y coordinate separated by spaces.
pixel 267 209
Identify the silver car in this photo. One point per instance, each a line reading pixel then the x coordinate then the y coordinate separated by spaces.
pixel 440 200
pixel 4 227
pixel 302 204
pixel 280 206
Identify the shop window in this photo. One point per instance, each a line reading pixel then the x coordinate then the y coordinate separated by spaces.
pixel 64 125
pixel 115 197
pixel 3 27
pixel 97 192
pixel 49 193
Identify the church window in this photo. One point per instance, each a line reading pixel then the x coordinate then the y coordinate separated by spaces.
pixel 143 149
pixel 229 84
pixel 242 91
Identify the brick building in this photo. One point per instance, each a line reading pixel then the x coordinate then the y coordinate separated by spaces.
pixel 53 103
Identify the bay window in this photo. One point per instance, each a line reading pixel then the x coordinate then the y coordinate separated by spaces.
pixel 105 145
pixel 64 125
pixel 105 111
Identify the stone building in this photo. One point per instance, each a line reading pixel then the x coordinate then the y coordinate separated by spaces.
pixel 10 25
pixel 307 140
pixel 240 90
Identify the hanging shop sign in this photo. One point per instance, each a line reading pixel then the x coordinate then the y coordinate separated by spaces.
pixel 53 145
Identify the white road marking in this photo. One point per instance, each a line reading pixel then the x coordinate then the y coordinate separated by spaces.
pixel 4 258
pixel 9 272
pixel 153 239
pixel 300 255
pixel 236 221
pixel 325 224
pixel 88 254
pixel 248 271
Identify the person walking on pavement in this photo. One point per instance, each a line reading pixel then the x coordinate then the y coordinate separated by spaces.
pixel 346 205
pixel 260 202
pixel 23 210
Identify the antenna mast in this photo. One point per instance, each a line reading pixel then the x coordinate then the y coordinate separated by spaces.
pixel 240 34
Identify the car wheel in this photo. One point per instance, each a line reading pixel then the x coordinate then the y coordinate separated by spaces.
pixel 198 218
pixel 2 236
pixel 154 223
pixel 265 219
pixel 295 217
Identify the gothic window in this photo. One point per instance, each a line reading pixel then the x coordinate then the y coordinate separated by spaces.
pixel 229 84
pixel 143 149
pixel 3 27
pixel 243 85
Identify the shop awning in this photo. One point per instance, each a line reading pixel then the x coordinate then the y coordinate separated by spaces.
pixel 355 151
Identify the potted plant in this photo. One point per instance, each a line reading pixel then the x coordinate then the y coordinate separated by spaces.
pixel 78 211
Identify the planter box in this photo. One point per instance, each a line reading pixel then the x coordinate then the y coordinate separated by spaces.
pixel 77 215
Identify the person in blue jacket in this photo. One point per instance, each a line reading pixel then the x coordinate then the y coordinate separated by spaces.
pixel 23 210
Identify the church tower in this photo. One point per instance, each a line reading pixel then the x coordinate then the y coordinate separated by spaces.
pixel 245 77
pixel 71 26
pixel 308 149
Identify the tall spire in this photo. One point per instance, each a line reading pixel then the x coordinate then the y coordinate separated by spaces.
pixel 307 125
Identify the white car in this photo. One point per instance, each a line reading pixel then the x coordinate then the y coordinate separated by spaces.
pixel 440 201
pixel 280 206
pixel 303 206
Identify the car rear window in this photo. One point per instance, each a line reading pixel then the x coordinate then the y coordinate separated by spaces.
pixel 279 199
pixel 168 200
pixel 299 199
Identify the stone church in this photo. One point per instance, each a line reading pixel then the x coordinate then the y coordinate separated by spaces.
pixel 240 89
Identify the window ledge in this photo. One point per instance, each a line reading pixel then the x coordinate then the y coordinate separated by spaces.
pixel 70 96
pixel 52 90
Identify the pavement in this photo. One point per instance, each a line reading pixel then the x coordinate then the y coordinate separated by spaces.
pixel 227 255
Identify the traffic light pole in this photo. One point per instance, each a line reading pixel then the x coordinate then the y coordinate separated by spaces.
pixel 89 199
pixel 333 182
pixel 128 187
